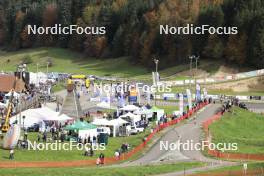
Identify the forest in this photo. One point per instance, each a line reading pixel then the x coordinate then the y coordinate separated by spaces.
pixel 132 29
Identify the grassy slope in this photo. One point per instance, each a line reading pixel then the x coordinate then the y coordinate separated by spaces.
pixel 71 62
pixel 242 127
pixel 124 171
pixel 61 155
pixel 251 166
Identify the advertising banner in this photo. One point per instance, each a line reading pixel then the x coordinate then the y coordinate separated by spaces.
pixel 189 98
pixel 205 93
pixel 181 103
pixel 133 95
pixel 198 93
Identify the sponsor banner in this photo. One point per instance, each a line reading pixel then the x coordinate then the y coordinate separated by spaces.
pixel 179 82
pixel 209 80
pixel 198 92
pixel 242 97
pixel 189 97
pixel 214 96
pixel 169 95
pixel 132 98
pixel 95 99
pixel 181 103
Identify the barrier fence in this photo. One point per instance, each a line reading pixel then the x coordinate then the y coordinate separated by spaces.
pixel 225 155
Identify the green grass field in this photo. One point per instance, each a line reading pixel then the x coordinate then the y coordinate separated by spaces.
pixel 242 127
pixel 102 171
pixel 239 167
pixel 67 61
pixel 70 62
pixel 62 155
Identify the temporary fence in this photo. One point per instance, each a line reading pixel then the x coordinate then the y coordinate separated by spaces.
pixel 226 155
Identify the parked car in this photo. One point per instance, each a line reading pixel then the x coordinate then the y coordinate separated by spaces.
pixel 33 128
pixel 103 130
pixel 135 130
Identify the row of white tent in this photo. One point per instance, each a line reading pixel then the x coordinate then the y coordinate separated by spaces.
pixel 38 116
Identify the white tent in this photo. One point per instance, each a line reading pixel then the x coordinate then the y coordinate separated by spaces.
pixel 63 117
pixel 101 122
pixel 118 122
pixel 33 78
pixel 16 95
pixel 129 114
pixel 31 117
pixel 38 116
pixel 129 108
pixel 49 115
pixel 133 118
pixel 143 110
pixel 42 77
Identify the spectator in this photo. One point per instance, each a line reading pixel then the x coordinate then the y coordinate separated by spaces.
pixel 101 156
pixel 117 155
pixel 98 161
pixel 11 154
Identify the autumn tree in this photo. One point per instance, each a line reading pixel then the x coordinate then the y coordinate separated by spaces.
pixel 236 49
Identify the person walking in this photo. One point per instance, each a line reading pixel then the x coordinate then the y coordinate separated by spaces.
pixel 117 155
pixel 11 154
pixel 101 156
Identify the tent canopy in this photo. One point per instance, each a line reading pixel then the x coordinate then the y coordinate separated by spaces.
pixel 118 122
pixel 50 115
pixel 80 125
pixel 142 110
pixel 105 105
pixel 38 115
pixel 129 114
pixel 101 122
pixel 31 118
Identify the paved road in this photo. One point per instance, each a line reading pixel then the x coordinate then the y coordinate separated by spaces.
pixel 255 107
pixel 190 131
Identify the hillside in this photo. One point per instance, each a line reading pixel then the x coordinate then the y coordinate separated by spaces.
pixel 242 127
pixel 64 60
